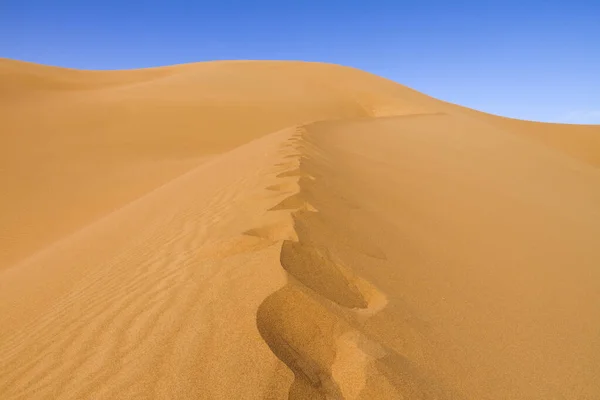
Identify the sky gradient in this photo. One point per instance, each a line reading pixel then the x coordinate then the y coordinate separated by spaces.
pixel 536 60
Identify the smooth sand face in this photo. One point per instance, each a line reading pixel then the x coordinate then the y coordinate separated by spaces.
pixel 272 230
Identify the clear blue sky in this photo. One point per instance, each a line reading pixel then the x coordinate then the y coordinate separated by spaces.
pixel 536 60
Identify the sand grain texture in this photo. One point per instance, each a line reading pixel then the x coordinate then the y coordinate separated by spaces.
pixel 275 230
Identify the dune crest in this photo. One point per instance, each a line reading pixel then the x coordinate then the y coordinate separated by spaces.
pixel 287 230
pixel 302 322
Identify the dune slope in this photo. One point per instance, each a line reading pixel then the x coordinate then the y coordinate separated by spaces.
pixel 78 144
pixel 271 230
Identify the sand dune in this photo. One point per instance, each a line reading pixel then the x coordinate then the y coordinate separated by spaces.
pixel 272 230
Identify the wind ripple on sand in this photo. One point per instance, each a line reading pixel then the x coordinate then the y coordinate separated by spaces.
pixel 119 329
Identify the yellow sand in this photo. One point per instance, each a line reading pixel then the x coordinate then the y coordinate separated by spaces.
pixel 274 230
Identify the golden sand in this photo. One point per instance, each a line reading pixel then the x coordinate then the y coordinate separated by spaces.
pixel 274 230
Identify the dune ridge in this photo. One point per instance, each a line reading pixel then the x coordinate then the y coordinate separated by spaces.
pixel 333 236
pixel 302 323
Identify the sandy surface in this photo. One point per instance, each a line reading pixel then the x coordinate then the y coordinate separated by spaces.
pixel 274 230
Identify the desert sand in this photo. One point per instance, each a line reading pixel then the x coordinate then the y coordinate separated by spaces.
pixel 275 230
